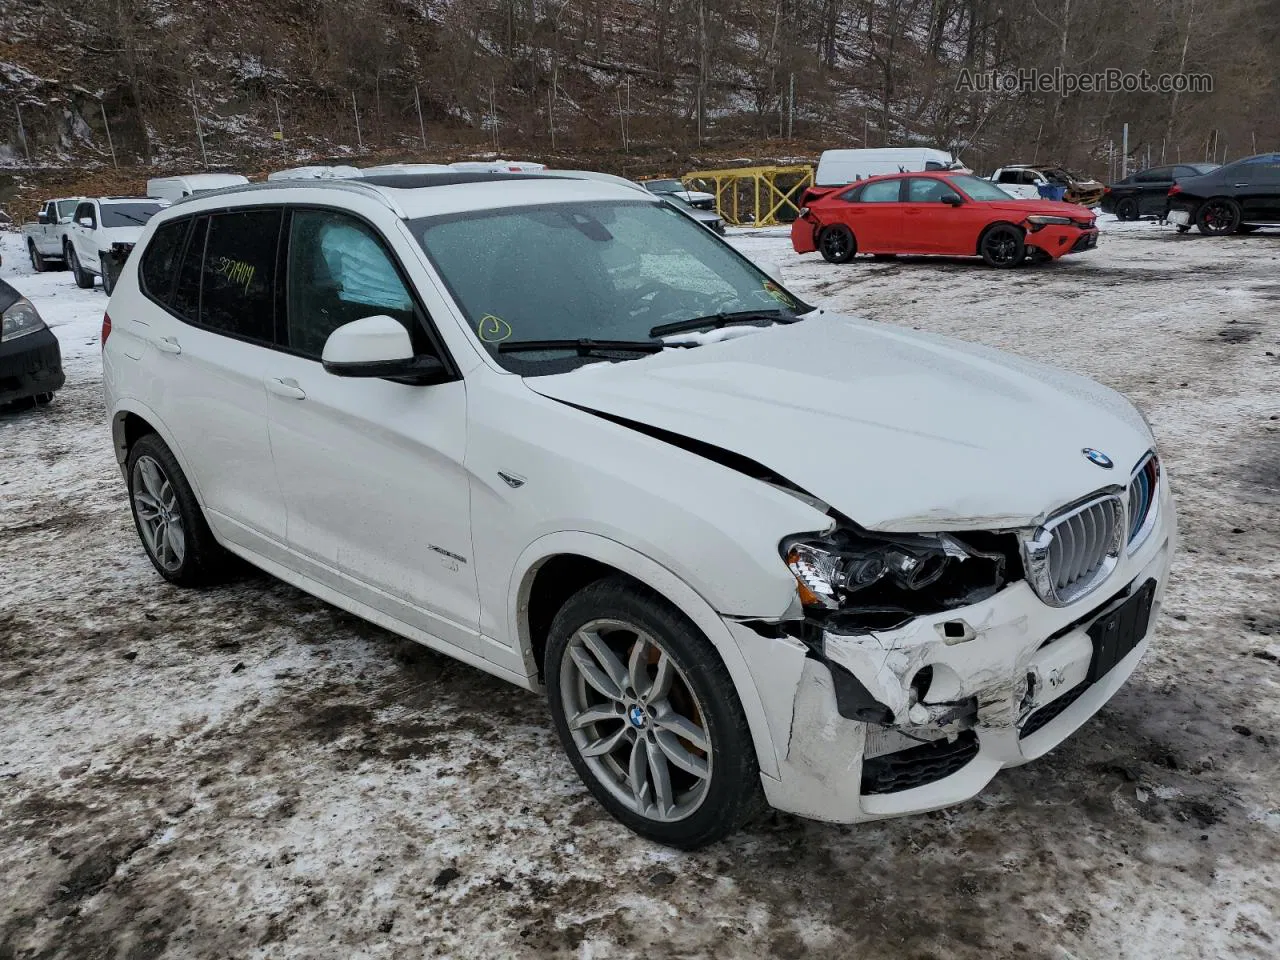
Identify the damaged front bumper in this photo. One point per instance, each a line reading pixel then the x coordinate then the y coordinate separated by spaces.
pixel 960 695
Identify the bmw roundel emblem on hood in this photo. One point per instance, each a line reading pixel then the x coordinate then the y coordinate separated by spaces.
pixel 1098 457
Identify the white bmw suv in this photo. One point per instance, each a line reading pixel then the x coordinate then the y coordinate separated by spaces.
pixel 550 426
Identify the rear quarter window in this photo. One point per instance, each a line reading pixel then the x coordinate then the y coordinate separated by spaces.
pixel 159 266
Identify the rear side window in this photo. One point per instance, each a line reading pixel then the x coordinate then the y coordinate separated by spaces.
pixel 237 282
pixel 160 260
pixel 884 191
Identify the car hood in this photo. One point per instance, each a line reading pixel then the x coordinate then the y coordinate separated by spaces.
pixel 897 430
pixel 1050 208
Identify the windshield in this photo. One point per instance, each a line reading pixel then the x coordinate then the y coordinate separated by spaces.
pixel 128 214
pixel 664 186
pixel 978 189
pixel 607 271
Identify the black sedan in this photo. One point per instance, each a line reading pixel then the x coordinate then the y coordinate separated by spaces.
pixel 1237 198
pixel 30 359
pixel 1144 194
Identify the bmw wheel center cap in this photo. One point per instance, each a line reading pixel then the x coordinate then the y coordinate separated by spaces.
pixel 636 716
pixel 1098 457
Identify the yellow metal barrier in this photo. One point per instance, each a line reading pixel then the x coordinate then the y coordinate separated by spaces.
pixel 738 192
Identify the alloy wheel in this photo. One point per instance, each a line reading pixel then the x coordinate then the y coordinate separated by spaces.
pixel 835 244
pixel 1002 246
pixel 155 500
pixel 1218 217
pixel 635 720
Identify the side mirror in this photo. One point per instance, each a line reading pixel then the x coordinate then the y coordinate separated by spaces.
pixel 86 222
pixel 379 347
pixel 42 217
pixel 951 199
pixel 771 267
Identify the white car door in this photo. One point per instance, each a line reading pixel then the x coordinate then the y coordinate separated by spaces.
pixel 83 235
pixel 210 330
pixel 372 471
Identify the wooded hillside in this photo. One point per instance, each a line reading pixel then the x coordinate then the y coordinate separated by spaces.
pixel 612 79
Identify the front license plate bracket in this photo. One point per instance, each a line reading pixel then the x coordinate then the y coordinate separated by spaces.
pixel 1115 634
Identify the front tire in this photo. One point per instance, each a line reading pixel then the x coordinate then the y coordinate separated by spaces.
pixel 170 524
pixel 649 716
pixel 84 279
pixel 1219 217
pixel 1127 209
pixel 1002 246
pixel 836 243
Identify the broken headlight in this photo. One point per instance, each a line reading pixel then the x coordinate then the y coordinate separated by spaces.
pixel 883 579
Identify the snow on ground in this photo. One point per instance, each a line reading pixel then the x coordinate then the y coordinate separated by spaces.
pixel 246 772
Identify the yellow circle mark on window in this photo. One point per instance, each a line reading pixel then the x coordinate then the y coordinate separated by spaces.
pixel 776 293
pixel 493 329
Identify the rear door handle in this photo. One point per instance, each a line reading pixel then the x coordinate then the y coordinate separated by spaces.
pixel 168 345
pixel 1242 184
pixel 286 387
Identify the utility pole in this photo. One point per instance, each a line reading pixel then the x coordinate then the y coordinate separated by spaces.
pixel 417 102
pixel 493 118
pixel 355 110
pixel 199 130
pixel 107 126
pixel 22 133
pixel 791 107
pixel 279 122
pixel 1124 153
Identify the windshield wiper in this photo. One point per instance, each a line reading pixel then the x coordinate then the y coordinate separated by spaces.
pixel 717 320
pixel 585 347
pixel 129 217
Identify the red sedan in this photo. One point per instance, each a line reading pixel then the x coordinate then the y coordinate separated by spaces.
pixel 950 214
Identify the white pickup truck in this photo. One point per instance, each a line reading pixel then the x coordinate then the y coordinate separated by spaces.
pixel 45 238
pixel 102 233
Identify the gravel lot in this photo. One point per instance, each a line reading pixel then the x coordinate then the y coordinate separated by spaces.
pixel 247 772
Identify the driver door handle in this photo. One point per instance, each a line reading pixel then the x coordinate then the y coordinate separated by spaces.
pixel 286 387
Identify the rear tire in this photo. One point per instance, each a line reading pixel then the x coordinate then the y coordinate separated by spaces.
pixel 836 243
pixel 170 524
pixel 37 258
pixel 84 279
pixel 1127 209
pixel 649 716
pixel 1218 217
pixel 1002 246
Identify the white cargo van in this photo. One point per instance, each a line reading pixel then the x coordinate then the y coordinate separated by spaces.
pixel 175 188
pixel 838 167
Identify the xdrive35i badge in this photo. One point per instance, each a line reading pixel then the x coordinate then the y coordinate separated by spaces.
pixel 1098 457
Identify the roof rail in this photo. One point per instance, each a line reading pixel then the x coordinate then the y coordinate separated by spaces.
pixel 349 186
